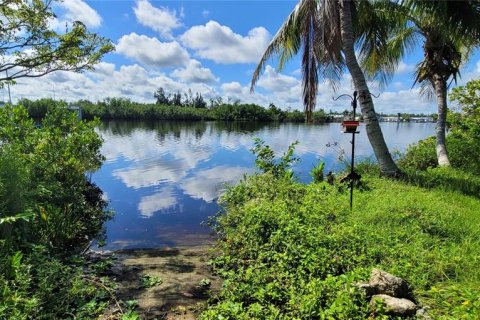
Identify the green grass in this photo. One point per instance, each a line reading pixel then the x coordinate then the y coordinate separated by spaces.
pixel 433 239
pixel 446 178
pixel 293 251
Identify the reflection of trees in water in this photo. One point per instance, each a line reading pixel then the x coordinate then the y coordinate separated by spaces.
pixel 119 128
pixel 242 126
pixel 179 128
pixel 163 128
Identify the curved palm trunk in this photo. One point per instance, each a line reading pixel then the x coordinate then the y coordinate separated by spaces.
pixel 374 133
pixel 441 93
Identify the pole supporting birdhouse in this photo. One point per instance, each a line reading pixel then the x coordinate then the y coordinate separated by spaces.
pixel 350 126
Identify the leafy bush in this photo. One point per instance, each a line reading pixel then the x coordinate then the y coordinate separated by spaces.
pixel 468 98
pixel 266 159
pixel 295 116
pixel 419 156
pixel 293 251
pixel 463 152
pixel 275 258
pixel 317 172
pixel 241 112
pixel 49 212
pixel 41 286
pixel 37 109
pixel 463 141
pixel 49 175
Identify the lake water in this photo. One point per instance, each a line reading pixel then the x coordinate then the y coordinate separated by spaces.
pixel 162 179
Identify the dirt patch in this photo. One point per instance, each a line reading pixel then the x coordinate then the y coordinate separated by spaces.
pixel 167 283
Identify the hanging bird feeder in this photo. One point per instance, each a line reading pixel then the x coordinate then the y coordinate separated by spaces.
pixel 350 126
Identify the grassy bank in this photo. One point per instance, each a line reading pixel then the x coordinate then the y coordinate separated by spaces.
pixel 293 251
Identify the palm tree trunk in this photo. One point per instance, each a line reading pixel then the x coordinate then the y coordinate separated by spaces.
pixel 374 132
pixel 441 92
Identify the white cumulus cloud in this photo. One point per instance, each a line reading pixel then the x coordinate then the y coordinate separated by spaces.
pixel 220 44
pixel 159 19
pixel 81 11
pixel 103 69
pixel 274 81
pixel 151 51
pixel 194 72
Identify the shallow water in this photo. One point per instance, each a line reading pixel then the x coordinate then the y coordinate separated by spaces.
pixel 162 179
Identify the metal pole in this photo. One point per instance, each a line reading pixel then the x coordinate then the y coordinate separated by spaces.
pixel 354 105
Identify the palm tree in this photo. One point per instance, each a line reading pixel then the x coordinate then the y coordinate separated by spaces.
pixel 449 30
pixel 323 30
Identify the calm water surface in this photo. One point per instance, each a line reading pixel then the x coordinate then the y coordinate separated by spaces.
pixel 162 179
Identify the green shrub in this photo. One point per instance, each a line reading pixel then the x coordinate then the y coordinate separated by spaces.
pixel 419 156
pixel 49 211
pixel 295 116
pixel 40 286
pixel 463 152
pixel 49 176
pixel 463 140
pixel 275 258
pixel 37 109
pixel 267 162
pixel 317 172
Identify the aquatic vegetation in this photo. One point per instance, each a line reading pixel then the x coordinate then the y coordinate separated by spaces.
pixel 149 281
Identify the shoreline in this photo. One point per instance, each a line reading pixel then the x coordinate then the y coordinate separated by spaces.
pixel 185 279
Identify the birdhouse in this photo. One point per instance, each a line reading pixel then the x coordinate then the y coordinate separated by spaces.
pixel 350 126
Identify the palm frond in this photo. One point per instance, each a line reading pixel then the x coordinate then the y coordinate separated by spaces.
pixel 286 43
pixel 424 79
pixel 313 27
pixel 385 37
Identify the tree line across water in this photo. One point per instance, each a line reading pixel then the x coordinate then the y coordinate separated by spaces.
pixel 175 109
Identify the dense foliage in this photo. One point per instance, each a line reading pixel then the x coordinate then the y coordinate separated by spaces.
pixel 294 251
pixel 125 109
pixel 463 143
pixel 463 152
pixel 49 212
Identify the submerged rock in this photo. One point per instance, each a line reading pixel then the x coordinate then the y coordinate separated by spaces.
pixel 399 307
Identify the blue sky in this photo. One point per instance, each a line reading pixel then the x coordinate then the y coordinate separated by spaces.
pixel 209 47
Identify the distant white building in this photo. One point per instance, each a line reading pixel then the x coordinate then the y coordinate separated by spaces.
pixel 400 119
pixel 388 119
pixel 422 119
